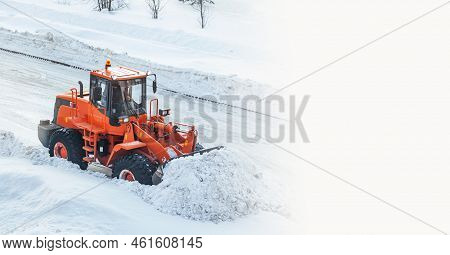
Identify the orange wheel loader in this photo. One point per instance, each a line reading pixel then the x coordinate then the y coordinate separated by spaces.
pixel 110 125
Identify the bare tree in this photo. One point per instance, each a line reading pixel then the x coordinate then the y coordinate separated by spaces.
pixel 202 7
pixel 110 5
pixel 104 4
pixel 155 6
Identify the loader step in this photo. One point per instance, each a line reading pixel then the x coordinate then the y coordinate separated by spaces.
pixel 88 159
pixel 88 148
pixel 88 138
pixel 87 126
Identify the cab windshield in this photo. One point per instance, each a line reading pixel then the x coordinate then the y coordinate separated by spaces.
pixel 127 99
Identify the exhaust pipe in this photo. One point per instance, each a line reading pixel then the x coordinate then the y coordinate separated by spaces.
pixel 81 89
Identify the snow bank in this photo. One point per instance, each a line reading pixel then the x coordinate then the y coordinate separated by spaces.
pixel 45 43
pixel 10 146
pixel 217 186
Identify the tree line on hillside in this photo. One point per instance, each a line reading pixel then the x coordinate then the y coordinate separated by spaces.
pixel 156 6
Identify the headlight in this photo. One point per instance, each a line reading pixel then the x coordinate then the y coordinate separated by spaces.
pixel 124 120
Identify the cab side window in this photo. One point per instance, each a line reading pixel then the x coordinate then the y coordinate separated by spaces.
pixel 103 84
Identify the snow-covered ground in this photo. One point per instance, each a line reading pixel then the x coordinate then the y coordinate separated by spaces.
pixel 377 119
pixel 47 190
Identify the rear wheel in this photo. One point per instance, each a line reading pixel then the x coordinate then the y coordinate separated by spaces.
pixel 67 144
pixel 134 167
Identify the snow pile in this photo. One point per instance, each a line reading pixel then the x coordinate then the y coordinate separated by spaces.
pixel 217 186
pixel 10 146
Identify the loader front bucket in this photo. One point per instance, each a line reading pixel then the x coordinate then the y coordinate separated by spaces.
pixel 197 152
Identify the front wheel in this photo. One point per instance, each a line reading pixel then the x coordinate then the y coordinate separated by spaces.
pixel 134 167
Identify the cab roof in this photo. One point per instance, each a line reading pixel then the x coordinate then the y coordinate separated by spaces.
pixel 119 73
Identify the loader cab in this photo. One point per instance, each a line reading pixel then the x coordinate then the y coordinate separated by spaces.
pixel 128 98
pixel 119 92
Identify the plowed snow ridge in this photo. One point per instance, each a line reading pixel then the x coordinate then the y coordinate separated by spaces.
pixel 10 146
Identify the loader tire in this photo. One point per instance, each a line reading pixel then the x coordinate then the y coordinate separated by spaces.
pixel 199 147
pixel 72 142
pixel 140 167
